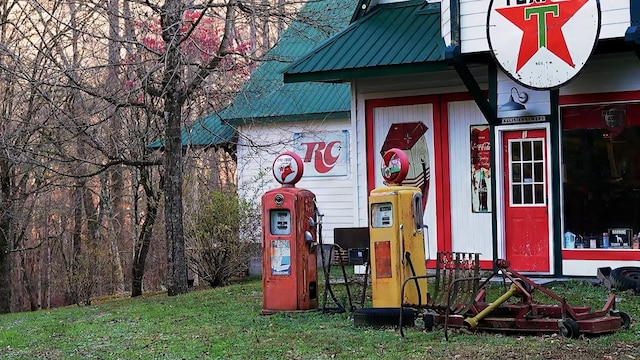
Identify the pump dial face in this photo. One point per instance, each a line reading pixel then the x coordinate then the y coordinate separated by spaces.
pixel 395 166
pixel 288 168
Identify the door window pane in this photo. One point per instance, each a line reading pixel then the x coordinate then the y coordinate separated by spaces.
pixel 528 194
pixel 526 150
pixel 517 173
pixel 516 194
pixel 537 150
pixel 515 151
pixel 538 172
pixel 527 172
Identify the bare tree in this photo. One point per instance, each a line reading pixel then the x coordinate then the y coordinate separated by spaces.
pixel 85 87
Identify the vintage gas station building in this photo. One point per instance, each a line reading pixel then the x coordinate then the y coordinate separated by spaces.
pixel 526 143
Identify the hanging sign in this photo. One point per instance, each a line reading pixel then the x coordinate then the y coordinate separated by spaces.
pixel 542 44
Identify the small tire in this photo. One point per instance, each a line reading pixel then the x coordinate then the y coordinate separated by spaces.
pixel 625 319
pixel 570 329
pixel 429 321
pixel 626 278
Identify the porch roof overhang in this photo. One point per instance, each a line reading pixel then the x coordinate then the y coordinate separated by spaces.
pixel 393 39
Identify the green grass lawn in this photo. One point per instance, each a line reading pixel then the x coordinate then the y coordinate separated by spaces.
pixel 225 323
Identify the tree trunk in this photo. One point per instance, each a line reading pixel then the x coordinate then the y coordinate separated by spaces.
pixel 171 18
pixel 72 295
pixel 116 218
pixel 5 266
pixel 144 242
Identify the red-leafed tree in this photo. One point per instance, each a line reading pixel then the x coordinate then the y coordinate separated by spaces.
pixel 85 88
pixel 201 60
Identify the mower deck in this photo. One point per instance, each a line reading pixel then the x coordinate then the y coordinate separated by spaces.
pixel 517 319
pixel 505 315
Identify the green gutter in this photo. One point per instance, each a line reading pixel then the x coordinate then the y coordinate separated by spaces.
pixel 344 75
pixel 290 118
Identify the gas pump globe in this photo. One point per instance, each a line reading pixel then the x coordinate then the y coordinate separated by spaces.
pixel 289 241
pixel 396 236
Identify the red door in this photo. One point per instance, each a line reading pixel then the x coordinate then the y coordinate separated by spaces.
pixel 526 202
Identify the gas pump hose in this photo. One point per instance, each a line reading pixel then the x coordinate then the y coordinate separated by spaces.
pixel 326 268
pixel 407 255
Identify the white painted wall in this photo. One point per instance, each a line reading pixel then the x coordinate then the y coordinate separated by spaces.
pixel 258 146
pixel 445 20
pixel 606 73
pixel 538 101
pixel 384 118
pixel 590 267
pixel 616 19
pixel 470 232
pixel 473 22
pixel 414 85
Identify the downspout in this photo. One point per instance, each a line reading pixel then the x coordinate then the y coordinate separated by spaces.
pixel 632 35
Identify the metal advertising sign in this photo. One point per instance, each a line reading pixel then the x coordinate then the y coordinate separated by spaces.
pixel 480 168
pixel 324 153
pixel 542 44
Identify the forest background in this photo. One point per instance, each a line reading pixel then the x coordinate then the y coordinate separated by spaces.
pixel 87 207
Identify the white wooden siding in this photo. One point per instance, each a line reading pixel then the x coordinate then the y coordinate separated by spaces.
pixel 590 267
pixel 258 146
pixel 384 117
pixel 616 18
pixel 445 21
pixel 606 73
pixel 538 101
pixel 470 232
pixel 395 87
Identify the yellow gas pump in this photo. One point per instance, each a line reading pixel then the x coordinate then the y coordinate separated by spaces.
pixel 397 236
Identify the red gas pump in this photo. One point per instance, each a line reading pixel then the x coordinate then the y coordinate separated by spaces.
pixel 289 241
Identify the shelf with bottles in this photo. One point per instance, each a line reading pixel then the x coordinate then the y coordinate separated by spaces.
pixel 613 239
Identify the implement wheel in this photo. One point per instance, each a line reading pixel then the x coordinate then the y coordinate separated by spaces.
pixel 570 329
pixel 626 277
pixel 625 319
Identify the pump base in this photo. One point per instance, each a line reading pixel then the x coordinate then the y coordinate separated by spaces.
pixel 381 317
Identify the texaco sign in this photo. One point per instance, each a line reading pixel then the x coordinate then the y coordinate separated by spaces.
pixel 542 44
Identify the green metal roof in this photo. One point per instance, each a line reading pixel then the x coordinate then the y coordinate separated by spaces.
pixel 207 131
pixel 266 98
pixel 393 39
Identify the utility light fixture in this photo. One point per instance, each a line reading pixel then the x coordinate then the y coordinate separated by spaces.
pixel 512 105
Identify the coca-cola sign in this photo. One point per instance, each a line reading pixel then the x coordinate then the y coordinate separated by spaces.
pixel 480 168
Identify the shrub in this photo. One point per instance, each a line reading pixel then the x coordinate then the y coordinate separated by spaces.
pixel 219 234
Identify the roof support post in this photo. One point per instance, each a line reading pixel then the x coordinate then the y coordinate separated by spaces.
pixel 632 35
pixel 453 54
pixel 455 57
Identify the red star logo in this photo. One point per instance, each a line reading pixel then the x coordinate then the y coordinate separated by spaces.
pixel 541 23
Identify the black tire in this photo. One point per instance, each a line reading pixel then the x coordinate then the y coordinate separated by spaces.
pixel 570 329
pixel 625 278
pixel 429 321
pixel 382 317
pixel 625 319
